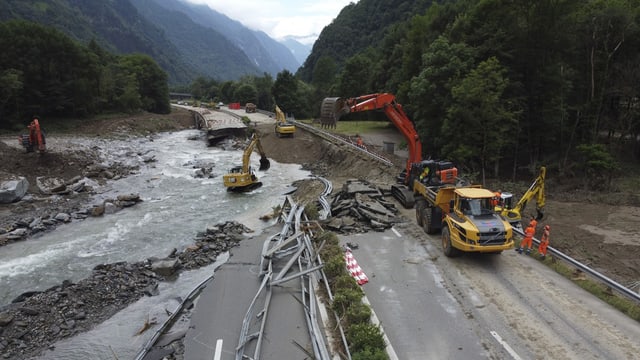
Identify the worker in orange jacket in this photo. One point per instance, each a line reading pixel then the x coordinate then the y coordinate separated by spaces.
pixel 527 240
pixel 544 242
pixel 533 223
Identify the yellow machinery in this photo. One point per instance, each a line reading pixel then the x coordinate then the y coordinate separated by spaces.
pixel 243 178
pixel 250 108
pixel 283 127
pixel 512 213
pixel 463 213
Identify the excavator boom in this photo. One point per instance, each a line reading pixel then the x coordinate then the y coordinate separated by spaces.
pixel 242 178
pixel 535 191
pixel 335 108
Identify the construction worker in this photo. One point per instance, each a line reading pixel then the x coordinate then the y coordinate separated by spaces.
pixel 533 222
pixel 36 137
pixel 495 201
pixel 544 242
pixel 425 174
pixel 527 240
pixel 359 141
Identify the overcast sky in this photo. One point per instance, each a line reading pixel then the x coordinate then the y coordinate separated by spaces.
pixel 279 18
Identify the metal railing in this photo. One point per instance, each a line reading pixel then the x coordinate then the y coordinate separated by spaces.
pixel 614 285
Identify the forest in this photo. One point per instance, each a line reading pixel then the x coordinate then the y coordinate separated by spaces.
pixel 43 72
pixel 499 86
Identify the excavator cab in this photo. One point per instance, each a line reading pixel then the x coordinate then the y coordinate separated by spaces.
pixel 513 212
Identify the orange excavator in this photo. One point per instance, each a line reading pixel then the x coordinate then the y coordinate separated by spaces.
pixel 35 139
pixel 332 109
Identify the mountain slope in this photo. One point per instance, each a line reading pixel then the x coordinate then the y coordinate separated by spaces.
pixel 358 26
pixel 116 26
pixel 266 53
pixel 208 51
pixel 299 50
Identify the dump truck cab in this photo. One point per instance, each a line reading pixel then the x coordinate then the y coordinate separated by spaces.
pixel 471 225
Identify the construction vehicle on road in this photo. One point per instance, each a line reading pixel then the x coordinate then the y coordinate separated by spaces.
pixel 243 178
pixel 250 108
pixel 513 213
pixel 283 126
pixel 35 139
pixel 334 108
pixel 464 213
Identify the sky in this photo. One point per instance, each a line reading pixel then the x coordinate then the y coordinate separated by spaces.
pixel 304 19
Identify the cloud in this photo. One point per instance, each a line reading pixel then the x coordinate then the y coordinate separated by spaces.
pixel 278 19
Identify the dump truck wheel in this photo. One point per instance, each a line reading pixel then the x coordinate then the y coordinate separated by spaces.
pixel 426 219
pixel 447 247
pixel 420 207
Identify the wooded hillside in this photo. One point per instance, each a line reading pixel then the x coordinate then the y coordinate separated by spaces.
pixel 497 85
pixel 43 72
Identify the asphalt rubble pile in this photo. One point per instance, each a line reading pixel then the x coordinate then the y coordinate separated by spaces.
pixel 361 207
pixel 36 320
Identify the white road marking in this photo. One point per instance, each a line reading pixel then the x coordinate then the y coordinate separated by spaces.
pixel 506 346
pixel 396 232
pixel 218 352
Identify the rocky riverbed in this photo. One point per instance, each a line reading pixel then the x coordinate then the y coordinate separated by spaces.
pixel 35 321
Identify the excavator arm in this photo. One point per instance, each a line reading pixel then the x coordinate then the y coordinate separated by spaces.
pixel 279 115
pixel 246 156
pixel 536 190
pixel 395 113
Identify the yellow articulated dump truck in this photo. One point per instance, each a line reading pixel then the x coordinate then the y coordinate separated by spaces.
pixel 464 214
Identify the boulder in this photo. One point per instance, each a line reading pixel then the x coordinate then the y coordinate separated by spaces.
pixel 50 186
pixel 13 190
pixel 166 268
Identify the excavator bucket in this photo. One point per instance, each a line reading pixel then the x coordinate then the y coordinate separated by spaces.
pixel 332 110
pixel 539 214
pixel 264 163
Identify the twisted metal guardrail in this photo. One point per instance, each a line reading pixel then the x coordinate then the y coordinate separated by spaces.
pixel 293 246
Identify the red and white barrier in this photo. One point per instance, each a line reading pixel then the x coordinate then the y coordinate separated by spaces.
pixel 354 269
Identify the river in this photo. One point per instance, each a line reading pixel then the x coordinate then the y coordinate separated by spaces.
pixel 176 206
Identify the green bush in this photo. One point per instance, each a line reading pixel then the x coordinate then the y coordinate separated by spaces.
pixel 358 313
pixel 344 299
pixel 364 336
pixel 370 354
pixel 312 211
pixel 330 239
pixel 335 267
pixel 346 281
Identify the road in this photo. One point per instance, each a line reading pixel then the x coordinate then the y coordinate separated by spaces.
pixel 506 306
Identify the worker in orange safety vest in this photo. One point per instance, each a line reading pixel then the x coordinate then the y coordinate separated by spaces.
pixel 544 242
pixel 527 240
pixel 496 199
pixel 36 138
pixel 533 223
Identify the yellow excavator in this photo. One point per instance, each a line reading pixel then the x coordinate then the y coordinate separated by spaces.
pixel 512 213
pixel 243 178
pixel 283 127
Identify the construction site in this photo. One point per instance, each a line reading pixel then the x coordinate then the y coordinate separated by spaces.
pixel 600 235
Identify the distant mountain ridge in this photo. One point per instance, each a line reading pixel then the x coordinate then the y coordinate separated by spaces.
pixel 267 54
pixel 186 40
